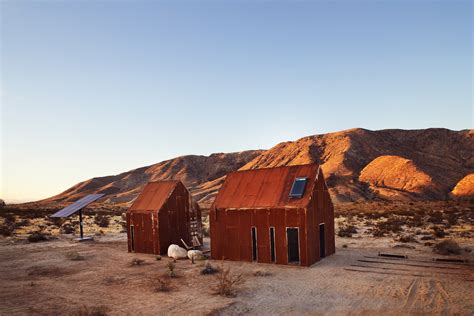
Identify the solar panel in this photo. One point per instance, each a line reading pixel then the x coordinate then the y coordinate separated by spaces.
pixel 297 190
pixel 76 206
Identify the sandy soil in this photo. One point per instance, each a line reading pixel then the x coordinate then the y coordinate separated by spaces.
pixel 40 279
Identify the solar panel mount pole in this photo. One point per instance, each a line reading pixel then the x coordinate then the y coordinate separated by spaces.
pixel 80 224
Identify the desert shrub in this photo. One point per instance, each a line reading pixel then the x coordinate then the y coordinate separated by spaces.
pixel 114 279
pixel 209 269
pixel 452 218
pixel 391 225
pixel 427 237
pixel 22 223
pixel 226 282
pixel 439 232
pixel 407 238
pixel 347 231
pixel 447 247
pixel 9 217
pixel 57 221
pixel 67 229
pixel 160 285
pixel 465 234
pixel 158 258
pixel 261 273
pixel 7 229
pixel 171 269
pixel 137 262
pixel 344 246
pixel 102 220
pixel 74 256
pixel 415 221
pixel 37 236
pixel 436 217
pixel 91 311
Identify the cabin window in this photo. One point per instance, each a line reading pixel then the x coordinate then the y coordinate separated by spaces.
pixel 297 189
pixel 272 244
pixel 254 243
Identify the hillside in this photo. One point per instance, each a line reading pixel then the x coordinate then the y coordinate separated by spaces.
pixel 416 164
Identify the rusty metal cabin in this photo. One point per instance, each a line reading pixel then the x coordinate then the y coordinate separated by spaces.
pixel 162 215
pixel 280 215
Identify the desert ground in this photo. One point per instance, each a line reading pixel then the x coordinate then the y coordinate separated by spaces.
pixel 63 276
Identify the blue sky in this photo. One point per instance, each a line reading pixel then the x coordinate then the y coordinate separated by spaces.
pixel 96 88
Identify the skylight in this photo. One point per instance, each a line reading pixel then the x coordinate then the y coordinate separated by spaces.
pixel 297 190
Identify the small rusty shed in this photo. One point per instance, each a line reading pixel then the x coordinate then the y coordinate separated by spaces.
pixel 162 215
pixel 280 215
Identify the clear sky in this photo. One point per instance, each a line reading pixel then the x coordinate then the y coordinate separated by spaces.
pixel 93 88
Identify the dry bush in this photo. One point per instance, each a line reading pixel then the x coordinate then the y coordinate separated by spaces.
pixel 209 269
pixel 91 311
pixel 50 271
pixel 137 262
pixel 347 231
pixel 57 221
pixel 391 225
pixel 37 236
pixel 406 238
pixel 447 247
pixel 102 220
pixel 439 232
pixel 427 237
pixel 22 223
pixel 74 256
pixel 171 269
pixel 114 279
pixel 160 285
pixel 9 217
pixel 436 217
pixel 261 273
pixel 67 229
pixel 226 282
pixel 7 229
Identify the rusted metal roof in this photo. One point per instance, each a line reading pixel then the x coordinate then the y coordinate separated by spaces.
pixel 78 205
pixel 268 187
pixel 154 195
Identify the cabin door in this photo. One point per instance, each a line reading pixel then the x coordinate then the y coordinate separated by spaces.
pixel 293 245
pixel 322 241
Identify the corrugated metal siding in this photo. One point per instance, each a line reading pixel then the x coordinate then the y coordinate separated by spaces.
pixel 268 187
pixel 231 225
pixel 156 229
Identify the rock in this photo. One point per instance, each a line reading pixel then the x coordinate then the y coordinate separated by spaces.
pixel 176 252
pixel 197 254
pixel 465 187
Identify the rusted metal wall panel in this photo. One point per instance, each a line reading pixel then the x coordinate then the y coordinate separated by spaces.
pixel 231 223
pixel 156 229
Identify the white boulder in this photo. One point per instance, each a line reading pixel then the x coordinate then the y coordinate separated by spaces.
pixel 176 252
pixel 196 254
